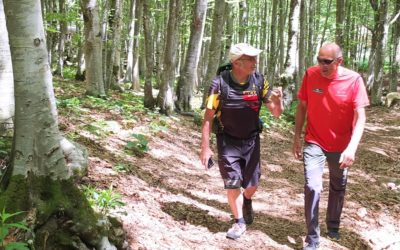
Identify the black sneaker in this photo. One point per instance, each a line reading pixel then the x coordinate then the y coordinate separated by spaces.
pixel 333 234
pixel 248 213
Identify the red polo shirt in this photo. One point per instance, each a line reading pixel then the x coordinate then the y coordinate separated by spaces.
pixel 330 107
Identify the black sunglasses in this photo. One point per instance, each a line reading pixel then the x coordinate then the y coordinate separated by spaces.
pixel 325 61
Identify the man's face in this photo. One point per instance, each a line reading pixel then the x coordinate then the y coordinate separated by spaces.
pixel 247 63
pixel 328 62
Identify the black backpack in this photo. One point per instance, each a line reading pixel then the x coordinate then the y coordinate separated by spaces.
pixel 223 95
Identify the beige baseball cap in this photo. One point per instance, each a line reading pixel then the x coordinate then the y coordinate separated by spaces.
pixel 241 49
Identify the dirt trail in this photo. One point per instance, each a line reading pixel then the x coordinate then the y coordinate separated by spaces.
pixel 173 203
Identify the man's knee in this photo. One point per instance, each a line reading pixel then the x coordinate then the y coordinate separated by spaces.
pixel 232 184
pixel 314 188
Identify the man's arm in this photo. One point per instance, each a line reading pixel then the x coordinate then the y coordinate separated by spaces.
pixel 206 152
pixel 299 123
pixel 348 155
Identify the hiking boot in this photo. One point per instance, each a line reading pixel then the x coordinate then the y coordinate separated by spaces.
pixel 333 234
pixel 236 231
pixel 311 246
pixel 248 213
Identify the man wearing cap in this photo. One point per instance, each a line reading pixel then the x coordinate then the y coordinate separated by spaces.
pixel 238 140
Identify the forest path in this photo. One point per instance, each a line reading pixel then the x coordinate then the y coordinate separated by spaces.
pixel 171 202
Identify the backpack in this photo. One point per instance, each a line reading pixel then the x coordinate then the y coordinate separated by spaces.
pixel 217 127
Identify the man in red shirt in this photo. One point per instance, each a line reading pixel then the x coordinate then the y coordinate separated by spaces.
pixel 333 99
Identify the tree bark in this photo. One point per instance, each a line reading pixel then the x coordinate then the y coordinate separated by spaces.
pixel 148 87
pixel 395 52
pixel 289 79
pixel 93 49
pixel 39 181
pixel 61 39
pixel 114 51
pixel 340 12
pixel 131 31
pixel 6 77
pixel 215 46
pixel 165 95
pixel 188 79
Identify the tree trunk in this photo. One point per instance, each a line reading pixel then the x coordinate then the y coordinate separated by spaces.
pixel 302 43
pixel 243 16
pixel 148 87
pixel 379 37
pixel 281 34
pixel 165 95
pixel 80 71
pixel 136 45
pixel 289 79
pixel 39 181
pixel 394 79
pixel 114 51
pixel 325 24
pixel 93 49
pixel 215 46
pixel 273 51
pixel 188 79
pixel 340 12
pixel 6 77
pixel 131 32
pixel 61 39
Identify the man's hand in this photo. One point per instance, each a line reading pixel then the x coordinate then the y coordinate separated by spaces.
pixel 347 158
pixel 297 149
pixel 276 95
pixel 205 155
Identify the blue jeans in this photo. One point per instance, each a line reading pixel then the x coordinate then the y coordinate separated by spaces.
pixel 314 162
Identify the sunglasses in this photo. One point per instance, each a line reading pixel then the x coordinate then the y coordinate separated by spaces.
pixel 325 61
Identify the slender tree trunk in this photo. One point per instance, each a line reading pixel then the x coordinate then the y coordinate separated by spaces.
pixel 325 24
pixel 93 48
pixel 311 38
pixel 80 75
pixel 243 15
pixel 273 50
pixel 61 39
pixel 263 37
pixel 340 14
pixel 165 96
pixel 6 77
pixel 131 31
pixel 378 50
pixel 229 33
pixel 136 45
pixel 281 34
pixel 302 42
pixel 188 79
pixel 148 88
pixel 113 62
pixel 394 79
pixel 215 46
pixel 289 79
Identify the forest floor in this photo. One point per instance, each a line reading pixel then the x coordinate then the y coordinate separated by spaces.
pixel 172 202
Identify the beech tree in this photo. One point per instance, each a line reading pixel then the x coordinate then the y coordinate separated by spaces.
pixel 6 76
pixel 188 79
pixel 93 48
pixel 40 178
